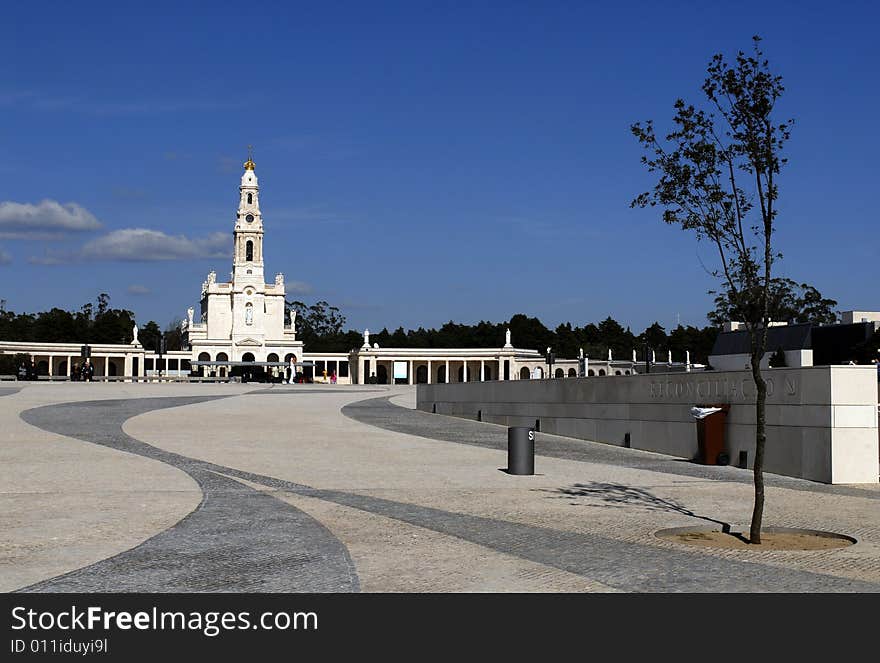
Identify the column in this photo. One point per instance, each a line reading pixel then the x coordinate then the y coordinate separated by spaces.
pixel 106 365
pixel 501 369
pixel 361 379
pixel 429 372
pixel 410 372
pixel 464 375
pixel 482 370
pixel 447 371
pixel 69 362
pixel 51 365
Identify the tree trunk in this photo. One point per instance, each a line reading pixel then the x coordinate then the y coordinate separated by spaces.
pixel 760 439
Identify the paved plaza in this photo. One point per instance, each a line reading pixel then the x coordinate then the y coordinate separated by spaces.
pixel 319 488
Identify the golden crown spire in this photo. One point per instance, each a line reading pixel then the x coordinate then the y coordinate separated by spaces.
pixel 249 164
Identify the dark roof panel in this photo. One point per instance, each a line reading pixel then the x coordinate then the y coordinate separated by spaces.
pixel 789 337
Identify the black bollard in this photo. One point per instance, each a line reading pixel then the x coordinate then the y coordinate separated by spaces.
pixel 520 450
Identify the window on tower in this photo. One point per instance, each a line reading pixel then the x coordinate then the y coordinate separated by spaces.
pixel 249 251
pixel 250 199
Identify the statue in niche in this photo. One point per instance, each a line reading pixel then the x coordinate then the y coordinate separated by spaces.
pixel 189 315
pixel 249 314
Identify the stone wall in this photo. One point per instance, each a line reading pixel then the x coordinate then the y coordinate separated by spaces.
pixel 822 420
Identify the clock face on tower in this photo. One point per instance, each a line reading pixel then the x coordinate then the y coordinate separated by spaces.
pixel 249 218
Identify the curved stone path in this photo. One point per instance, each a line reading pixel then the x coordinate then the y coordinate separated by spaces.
pixel 238 540
pixel 242 540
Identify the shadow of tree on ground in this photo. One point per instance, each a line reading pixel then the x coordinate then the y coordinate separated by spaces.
pixel 620 495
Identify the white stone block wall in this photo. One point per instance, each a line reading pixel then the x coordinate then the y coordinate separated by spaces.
pixel 821 421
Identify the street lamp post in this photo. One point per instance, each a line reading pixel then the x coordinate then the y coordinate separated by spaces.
pixel 160 350
pixel 551 357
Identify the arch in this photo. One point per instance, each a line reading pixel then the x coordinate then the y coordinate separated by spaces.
pixel 289 356
pixel 572 373
pixel 525 373
pixel 249 251
pixel 381 374
pixel 111 368
pixel 248 356
pixel 591 372
pixel 560 373
pixel 422 374
pixel 441 375
pixel 205 371
pixel 62 367
pixel 626 372
pixel 250 199
pixel 43 368
pixel 461 373
pixel 601 371
pixel 274 371
pixel 487 372
pixel 221 370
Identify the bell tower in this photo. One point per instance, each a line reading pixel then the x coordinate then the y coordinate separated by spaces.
pixel 247 264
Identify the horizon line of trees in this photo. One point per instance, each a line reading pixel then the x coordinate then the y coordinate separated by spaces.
pixel 93 323
pixel 321 328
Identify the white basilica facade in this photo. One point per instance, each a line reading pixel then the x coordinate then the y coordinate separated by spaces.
pixel 244 322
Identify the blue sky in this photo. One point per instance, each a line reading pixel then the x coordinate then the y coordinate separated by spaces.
pixel 419 162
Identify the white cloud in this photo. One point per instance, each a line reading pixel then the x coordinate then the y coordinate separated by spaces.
pixel 297 287
pixel 136 289
pixel 142 244
pixel 5 258
pixel 51 258
pixel 47 219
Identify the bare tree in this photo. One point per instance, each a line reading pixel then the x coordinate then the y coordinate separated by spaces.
pixel 718 172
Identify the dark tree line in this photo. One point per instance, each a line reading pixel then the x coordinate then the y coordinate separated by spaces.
pixel 93 323
pixel 320 327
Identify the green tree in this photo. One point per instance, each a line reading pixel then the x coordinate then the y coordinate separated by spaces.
pixel 173 335
pixel 529 332
pixel 777 359
pixel 787 301
pixel 718 177
pixel 655 337
pixel 149 335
